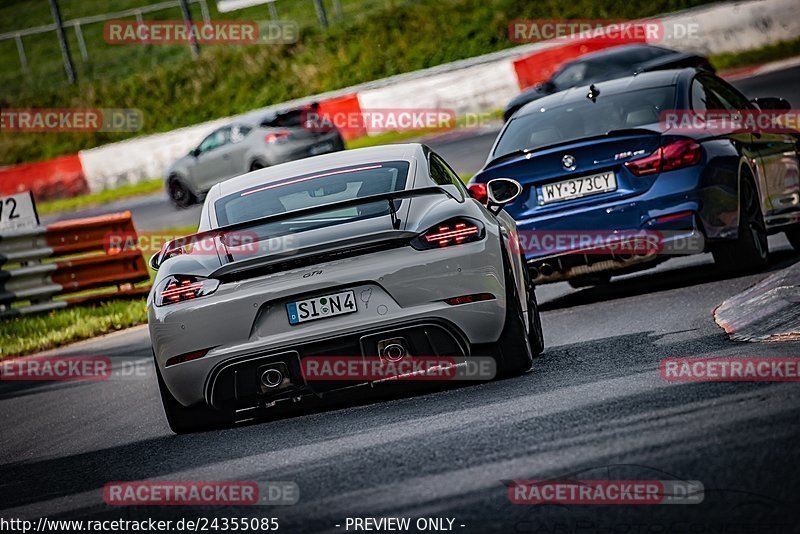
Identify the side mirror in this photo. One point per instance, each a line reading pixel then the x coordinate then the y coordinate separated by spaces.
pixel 500 192
pixel 194 152
pixel 155 262
pixel 769 102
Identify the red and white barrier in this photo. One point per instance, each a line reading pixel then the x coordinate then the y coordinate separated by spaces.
pixel 476 85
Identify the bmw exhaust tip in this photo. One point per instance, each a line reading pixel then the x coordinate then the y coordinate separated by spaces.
pixel 271 378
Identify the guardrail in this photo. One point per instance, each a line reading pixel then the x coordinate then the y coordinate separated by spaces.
pixel 66 258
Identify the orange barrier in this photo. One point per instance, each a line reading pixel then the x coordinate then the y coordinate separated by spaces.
pixel 56 178
pixel 37 283
pixel 345 106
pixel 539 66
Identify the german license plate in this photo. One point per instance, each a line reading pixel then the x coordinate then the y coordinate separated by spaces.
pixel 322 307
pixel 578 187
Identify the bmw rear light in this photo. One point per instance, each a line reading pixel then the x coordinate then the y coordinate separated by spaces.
pixel 676 155
pixel 479 193
pixel 184 288
pixel 449 233
pixel 277 137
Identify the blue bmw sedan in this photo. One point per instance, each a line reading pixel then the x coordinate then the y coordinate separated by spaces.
pixel 601 167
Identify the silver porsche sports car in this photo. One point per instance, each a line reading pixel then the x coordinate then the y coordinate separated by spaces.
pixel 372 253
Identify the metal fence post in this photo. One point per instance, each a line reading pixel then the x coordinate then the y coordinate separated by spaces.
pixel 23 59
pixel 187 18
pixel 204 11
pixel 322 15
pixel 81 43
pixel 273 10
pixel 69 68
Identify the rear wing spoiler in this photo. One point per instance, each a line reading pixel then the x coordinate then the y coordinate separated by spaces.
pixel 219 235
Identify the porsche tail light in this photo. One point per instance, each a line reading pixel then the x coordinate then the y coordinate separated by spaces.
pixel 469 299
pixel 184 288
pixel 478 192
pixel 277 137
pixel 189 356
pixel 676 155
pixel 449 233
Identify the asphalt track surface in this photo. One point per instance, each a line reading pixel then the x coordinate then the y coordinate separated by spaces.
pixel 593 406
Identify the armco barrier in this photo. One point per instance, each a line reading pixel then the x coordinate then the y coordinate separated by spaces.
pixel 76 262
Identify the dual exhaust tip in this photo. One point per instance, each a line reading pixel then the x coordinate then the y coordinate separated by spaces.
pixel 393 350
pixel 271 378
pixel 274 376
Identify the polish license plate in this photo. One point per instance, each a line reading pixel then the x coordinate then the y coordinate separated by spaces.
pixel 578 187
pixel 322 307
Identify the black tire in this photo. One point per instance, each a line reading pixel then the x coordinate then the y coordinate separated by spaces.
pixel 793 235
pixel 535 330
pixel 749 252
pixel 257 165
pixel 180 194
pixel 183 420
pixel 513 352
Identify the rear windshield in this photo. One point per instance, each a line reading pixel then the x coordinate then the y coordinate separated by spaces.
pixel 553 125
pixel 322 187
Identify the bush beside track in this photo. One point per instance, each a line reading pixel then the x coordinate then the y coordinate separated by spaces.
pixel 230 80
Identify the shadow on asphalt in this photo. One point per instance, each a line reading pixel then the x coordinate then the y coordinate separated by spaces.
pixel 559 370
pixel 665 280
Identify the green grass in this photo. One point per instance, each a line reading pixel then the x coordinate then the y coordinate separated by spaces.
pixel 388 37
pixel 781 50
pixel 28 334
pixel 103 197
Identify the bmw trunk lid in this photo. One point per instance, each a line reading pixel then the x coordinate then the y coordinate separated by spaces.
pixel 586 172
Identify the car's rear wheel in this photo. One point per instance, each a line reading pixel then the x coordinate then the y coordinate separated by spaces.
pixel 793 235
pixel 257 164
pixel 183 420
pixel 514 351
pixel 179 193
pixel 749 251
pixel 535 330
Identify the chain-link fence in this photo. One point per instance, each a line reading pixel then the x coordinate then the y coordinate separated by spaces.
pixel 30 51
